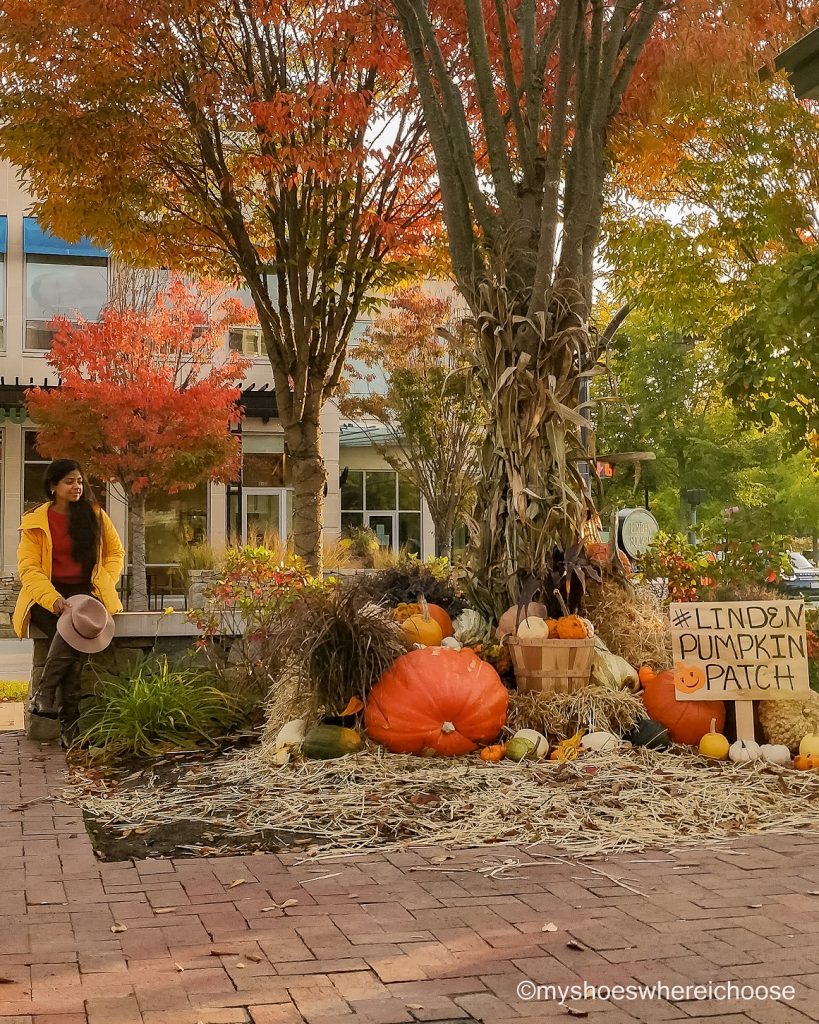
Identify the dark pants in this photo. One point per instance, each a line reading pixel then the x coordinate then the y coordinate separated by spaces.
pixel 63 666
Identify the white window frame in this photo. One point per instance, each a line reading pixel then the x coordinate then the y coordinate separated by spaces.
pixel 31 257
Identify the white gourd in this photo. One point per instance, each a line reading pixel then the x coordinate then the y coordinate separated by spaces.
pixel 540 745
pixel 743 751
pixel 775 753
pixel 600 741
pixel 533 628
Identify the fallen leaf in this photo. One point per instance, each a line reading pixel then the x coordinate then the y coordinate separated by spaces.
pixel 7 981
pixel 179 967
pixel 116 928
pixel 223 952
pixel 422 799
pixel 255 959
pixel 574 944
pixel 754 906
pixel 240 964
pixel 354 705
pixel 574 1012
pixel 444 857
pixel 550 927
pixel 813 892
pixel 414 1006
pixel 280 906
pixel 164 910
pixel 237 881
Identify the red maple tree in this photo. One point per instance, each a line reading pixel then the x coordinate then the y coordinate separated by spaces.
pixel 146 401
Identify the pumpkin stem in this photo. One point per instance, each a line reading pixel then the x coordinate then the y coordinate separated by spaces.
pixel 713 726
pixel 424 604
pixel 562 603
pixel 447 728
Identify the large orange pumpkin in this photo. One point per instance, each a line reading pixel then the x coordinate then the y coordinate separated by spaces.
pixel 687 721
pixel 439 700
pixel 440 616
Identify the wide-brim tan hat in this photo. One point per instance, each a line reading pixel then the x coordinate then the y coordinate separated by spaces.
pixel 85 624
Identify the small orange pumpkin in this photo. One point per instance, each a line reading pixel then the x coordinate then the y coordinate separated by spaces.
pixel 572 627
pixel 493 753
pixel 805 762
pixel 439 615
pixel 646 673
pixel 552 624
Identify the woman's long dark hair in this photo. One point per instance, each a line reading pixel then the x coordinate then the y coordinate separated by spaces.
pixel 83 515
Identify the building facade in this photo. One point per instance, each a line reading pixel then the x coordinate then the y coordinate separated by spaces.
pixel 41 277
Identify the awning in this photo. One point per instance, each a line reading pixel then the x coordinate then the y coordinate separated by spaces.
pixel 3 234
pixel 38 241
pixel 13 391
pixel 801 62
pixel 351 435
pixel 259 403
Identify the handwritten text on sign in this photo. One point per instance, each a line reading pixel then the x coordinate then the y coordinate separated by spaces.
pixel 739 650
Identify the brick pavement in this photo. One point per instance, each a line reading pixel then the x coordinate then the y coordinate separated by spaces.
pixel 383 939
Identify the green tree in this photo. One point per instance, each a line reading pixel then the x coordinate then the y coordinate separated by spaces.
pixel 429 404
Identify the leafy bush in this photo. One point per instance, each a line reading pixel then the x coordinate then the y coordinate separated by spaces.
pixel 156 707
pixel 409 578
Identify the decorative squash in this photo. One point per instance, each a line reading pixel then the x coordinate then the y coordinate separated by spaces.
pixel 438 700
pixel 650 734
pixel 533 628
pixel 805 762
pixel 687 721
pixel 610 670
pixel 493 753
pixel 568 750
pixel 714 744
pixel 600 741
pixel 743 751
pixel 422 629
pixel 809 746
pixel 538 744
pixel 404 610
pixel 471 627
pixel 518 748
pixel 508 622
pixel 572 627
pixel 775 753
pixel 324 742
pixel 452 643
pixel 552 624
pixel 646 673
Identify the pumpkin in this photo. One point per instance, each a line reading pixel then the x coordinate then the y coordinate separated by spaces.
pixel 533 628
pixel 687 721
pixel 508 622
pixel 805 762
pixel 493 753
pixel 421 629
pixel 572 627
pixel 404 610
pixel 438 700
pixel 598 552
pixel 324 742
pixel 439 615
pixel 650 734
pixel 744 751
pixel 714 744
pixel 688 678
pixel 775 753
pixel 809 746
pixel 600 741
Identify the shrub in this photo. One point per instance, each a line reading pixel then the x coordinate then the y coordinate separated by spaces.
pixel 409 578
pixel 195 556
pixel 13 690
pixel 155 707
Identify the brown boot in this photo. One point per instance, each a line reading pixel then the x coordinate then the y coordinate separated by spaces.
pixel 61 662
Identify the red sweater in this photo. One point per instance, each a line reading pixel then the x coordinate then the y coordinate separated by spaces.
pixel 63 567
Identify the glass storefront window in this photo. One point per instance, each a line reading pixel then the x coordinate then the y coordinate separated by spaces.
pixel 173 521
pixel 388 504
pixel 352 490
pixel 263 461
pixel 62 286
pixel 380 489
pixel 2 302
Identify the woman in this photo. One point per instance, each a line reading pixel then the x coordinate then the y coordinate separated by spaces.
pixel 68 546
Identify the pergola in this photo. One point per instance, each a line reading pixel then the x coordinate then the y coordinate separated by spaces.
pixel 801 62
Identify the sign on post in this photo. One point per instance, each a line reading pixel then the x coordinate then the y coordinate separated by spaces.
pixel 741 651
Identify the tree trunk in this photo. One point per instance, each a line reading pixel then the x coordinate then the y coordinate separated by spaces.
pixel 532 500
pixel 139 580
pixel 308 477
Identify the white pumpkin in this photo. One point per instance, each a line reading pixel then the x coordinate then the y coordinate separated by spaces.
pixel 533 628
pixel 452 642
pixel 540 745
pixel 600 741
pixel 743 751
pixel 775 753
pixel 507 621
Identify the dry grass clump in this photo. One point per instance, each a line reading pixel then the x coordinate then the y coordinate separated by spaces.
pixel 561 715
pixel 631 622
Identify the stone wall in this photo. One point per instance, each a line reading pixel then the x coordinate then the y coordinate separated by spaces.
pixel 9 589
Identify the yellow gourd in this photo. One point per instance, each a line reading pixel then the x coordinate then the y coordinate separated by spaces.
pixel 568 750
pixel 809 747
pixel 422 630
pixel 714 744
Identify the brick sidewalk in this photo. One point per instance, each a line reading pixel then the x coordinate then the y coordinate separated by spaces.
pixel 383 939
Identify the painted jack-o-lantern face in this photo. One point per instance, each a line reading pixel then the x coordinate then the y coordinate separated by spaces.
pixel 688 678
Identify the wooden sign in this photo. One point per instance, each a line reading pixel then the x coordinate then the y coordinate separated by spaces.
pixel 740 651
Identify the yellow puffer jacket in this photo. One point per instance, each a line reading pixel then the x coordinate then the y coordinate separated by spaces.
pixel 34 567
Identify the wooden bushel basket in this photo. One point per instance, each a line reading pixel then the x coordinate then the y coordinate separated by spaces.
pixel 551 666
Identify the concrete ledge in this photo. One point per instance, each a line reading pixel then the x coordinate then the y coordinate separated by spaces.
pixel 132 625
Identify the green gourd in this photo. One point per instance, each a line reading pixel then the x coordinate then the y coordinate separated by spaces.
pixel 324 742
pixel 650 734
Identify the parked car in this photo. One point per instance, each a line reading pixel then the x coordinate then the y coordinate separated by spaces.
pixel 805 575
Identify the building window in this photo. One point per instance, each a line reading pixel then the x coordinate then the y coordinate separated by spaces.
pixel 2 302
pixel 389 504
pixel 173 521
pixel 62 286
pixel 266 503
pixel 34 467
pixel 247 341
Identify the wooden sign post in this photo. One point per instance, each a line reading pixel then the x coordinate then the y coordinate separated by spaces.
pixel 741 651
